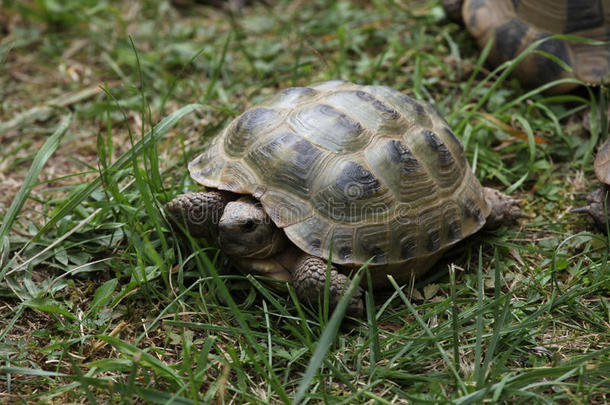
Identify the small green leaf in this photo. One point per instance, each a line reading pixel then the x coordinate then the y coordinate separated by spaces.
pixel 103 295
pixel 49 306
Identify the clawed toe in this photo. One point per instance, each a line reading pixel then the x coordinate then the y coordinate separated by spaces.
pixel 596 207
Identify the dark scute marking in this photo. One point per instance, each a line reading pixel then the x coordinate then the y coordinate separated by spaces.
pixel 306 153
pixel 444 155
pixel 315 243
pixel 363 95
pixel 434 241
pixel 254 117
pixel 547 69
pixel 345 253
pixel 294 173
pixel 356 181
pixel 599 73
pixel 399 153
pixel 454 231
pixel 454 138
pixel 516 3
pixel 583 15
pixel 343 120
pixel 297 91
pixel 386 111
pixel 378 254
pixel 407 248
pixel 419 109
pixel 471 210
pixel 509 36
pixel 432 140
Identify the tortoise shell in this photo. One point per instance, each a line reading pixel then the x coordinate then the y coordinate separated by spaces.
pixel 362 171
pixel 516 24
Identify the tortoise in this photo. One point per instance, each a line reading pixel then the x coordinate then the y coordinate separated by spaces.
pixel 355 174
pixel 597 202
pixel 516 24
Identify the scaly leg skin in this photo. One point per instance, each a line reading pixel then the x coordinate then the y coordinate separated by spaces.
pixel 504 209
pixel 309 280
pixel 595 207
pixel 199 211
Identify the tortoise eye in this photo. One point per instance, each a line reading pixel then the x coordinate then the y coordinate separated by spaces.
pixel 249 225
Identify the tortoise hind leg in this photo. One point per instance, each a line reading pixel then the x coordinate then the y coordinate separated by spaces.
pixel 200 212
pixel 309 279
pixel 504 209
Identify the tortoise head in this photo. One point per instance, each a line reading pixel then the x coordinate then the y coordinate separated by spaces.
pixel 246 231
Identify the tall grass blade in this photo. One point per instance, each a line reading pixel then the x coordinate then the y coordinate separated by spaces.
pixel 45 152
pixel 443 353
pixel 327 338
pixel 81 193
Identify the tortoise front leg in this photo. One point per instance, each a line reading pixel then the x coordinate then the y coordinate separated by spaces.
pixel 596 207
pixel 200 212
pixel 309 280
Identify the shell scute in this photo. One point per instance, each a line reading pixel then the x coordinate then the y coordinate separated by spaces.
pixel 583 15
pixel 242 133
pixel 364 108
pixel 349 193
pixel 403 239
pixel 311 235
pixel 342 243
pixel 413 112
pixel 238 178
pixel 287 161
pixel 372 242
pixel 401 171
pixel 440 163
pixel 329 128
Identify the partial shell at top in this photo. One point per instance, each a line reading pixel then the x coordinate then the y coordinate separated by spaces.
pixel 516 24
pixel 366 167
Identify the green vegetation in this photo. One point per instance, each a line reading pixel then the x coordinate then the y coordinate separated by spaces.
pixel 104 102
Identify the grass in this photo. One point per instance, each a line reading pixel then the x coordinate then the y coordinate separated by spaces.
pixel 103 103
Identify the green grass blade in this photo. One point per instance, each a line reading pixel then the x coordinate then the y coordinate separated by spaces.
pixel 326 339
pixel 45 152
pixel 479 374
pixel 81 193
pixel 443 353
pixel 246 332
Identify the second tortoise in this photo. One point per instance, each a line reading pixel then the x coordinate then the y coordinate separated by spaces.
pixel 514 25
